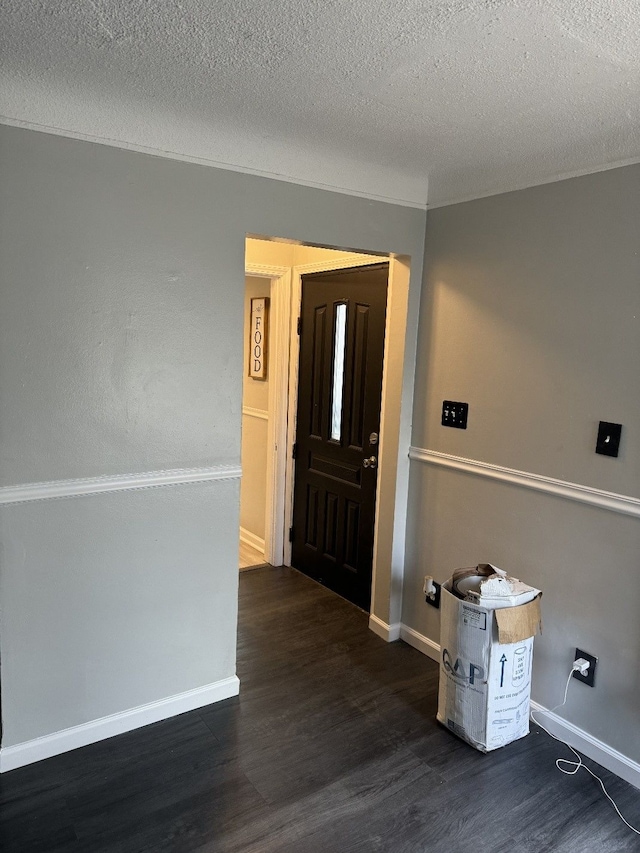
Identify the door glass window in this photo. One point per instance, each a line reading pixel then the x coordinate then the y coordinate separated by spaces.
pixel 337 378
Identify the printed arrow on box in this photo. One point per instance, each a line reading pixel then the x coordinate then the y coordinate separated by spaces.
pixel 503 660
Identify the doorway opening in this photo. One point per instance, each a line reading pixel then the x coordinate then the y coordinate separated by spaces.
pixel 274 500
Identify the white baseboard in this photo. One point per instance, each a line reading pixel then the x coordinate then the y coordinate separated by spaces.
pixel 12 757
pixel 423 644
pixel 598 751
pixel 588 745
pixel 389 633
pixel 251 539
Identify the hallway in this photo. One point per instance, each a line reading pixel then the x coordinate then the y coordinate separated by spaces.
pixel 332 748
pixel 249 557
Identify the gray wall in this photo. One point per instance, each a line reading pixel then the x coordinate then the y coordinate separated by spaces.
pixel 531 314
pixel 121 308
pixel 113 598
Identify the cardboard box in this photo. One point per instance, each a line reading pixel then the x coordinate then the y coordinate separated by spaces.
pixel 485 669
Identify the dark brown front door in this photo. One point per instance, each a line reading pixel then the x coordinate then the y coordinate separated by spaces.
pixel 338 424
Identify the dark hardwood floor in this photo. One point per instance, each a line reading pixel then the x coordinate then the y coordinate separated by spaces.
pixel 332 748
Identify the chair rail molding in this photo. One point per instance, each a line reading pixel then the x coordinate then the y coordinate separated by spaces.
pixel 25 492
pixel 624 504
pixel 251 412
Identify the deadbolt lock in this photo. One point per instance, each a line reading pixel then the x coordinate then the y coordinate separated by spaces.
pixel 373 438
pixel 370 462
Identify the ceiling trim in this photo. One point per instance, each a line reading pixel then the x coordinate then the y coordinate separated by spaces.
pixel 203 161
pixel 232 167
pixel 563 176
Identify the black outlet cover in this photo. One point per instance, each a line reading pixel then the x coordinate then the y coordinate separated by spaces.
pixel 454 414
pixel 435 601
pixel 589 678
pixel 608 442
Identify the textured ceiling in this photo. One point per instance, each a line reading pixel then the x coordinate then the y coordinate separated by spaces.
pixel 382 98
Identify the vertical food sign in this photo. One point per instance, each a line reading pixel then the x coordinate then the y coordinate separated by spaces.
pixel 258 338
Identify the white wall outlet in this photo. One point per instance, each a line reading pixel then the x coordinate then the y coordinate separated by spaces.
pixel 431 591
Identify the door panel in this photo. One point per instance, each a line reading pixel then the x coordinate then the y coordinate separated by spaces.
pixel 340 384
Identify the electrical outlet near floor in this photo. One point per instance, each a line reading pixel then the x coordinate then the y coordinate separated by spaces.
pixel 589 676
pixel 431 591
